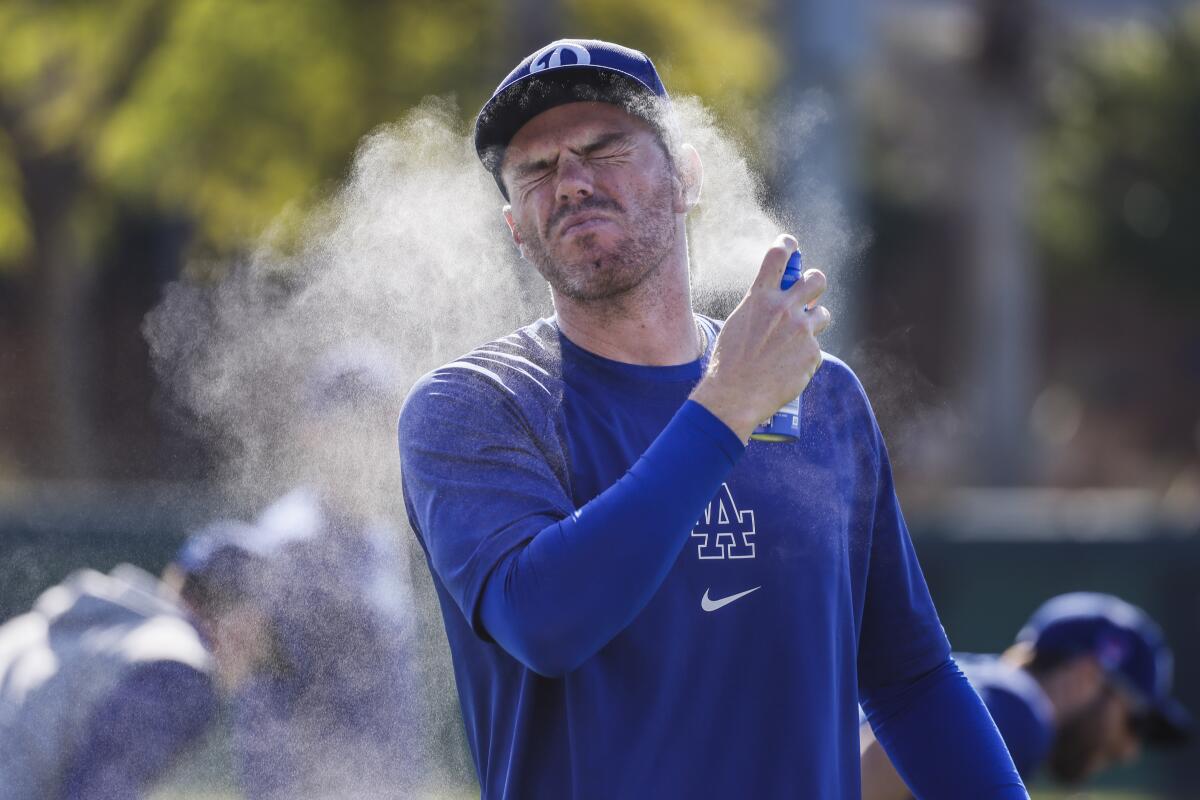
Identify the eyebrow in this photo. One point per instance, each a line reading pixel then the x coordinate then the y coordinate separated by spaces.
pixel 599 143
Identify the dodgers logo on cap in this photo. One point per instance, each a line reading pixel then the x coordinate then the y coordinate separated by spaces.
pixel 551 56
pixel 1111 651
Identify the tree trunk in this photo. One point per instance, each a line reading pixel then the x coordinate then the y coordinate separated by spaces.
pixel 64 441
pixel 1002 284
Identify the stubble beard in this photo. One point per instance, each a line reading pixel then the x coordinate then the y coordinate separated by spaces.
pixel 1076 743
pixel 594 273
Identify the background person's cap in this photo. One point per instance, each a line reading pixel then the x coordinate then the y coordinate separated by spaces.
pixel 216 564
pixel 356 375
pixel 213 543
pixel 567 71
pixel 1126 643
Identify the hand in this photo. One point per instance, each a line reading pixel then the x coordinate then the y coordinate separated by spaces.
pixel 767 352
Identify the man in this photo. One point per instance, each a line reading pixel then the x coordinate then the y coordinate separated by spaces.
pixel 109 677
pixel 639 604
pixel 1086 684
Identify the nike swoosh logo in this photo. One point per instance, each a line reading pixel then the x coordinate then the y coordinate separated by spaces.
pixel 713 605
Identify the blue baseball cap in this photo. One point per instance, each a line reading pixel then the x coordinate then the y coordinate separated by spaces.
pixel 569 71
pixel 1128 645
pixel 212 544
pixel 217 558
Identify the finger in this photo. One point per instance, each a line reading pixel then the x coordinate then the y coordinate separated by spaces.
pixel 819 319
pixel 810 286
pixel 809 320
pixel 770 273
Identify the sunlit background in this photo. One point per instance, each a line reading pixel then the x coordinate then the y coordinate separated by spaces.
pixel 1005 193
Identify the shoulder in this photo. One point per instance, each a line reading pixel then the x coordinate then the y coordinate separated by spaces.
pixel 992 673
pixel 1017 704
pixel 525 363
pixel 835 376
pixel 837 395
pixel 509 387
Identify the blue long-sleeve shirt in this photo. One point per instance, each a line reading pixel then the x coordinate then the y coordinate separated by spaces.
pixel 940 737
pixel 149 717
pixel 638 606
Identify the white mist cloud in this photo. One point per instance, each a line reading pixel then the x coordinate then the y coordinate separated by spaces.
pixel 411 257
pixel 410 261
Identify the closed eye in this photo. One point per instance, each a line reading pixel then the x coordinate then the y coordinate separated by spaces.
pixel 615 156
pixel 609 148
pixel 528 184
pixel 611 145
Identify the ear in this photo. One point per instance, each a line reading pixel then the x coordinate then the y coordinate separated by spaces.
pixel 512 229
pixel 689 172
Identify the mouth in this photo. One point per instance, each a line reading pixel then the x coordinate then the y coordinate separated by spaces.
pixel 579 223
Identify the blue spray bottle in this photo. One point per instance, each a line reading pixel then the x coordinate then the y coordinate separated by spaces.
pixel 784 424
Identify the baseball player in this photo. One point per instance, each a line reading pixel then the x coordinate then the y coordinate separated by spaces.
pixel 110 676
pixel 640 600
pixel 1085 686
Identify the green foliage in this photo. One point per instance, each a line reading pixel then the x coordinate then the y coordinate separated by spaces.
pixel 722 51
pixel 224 113
pixel 716 49
pixel 15 240
pixel 1119 168
pixel 251 105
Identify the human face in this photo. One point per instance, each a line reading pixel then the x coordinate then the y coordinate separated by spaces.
pixel 241 644
pixel 1102 734
pixel 594 199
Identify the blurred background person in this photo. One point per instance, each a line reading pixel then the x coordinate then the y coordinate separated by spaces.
pixel 111 676
pixel 1086 685
pixel 297 625
pixel 344 716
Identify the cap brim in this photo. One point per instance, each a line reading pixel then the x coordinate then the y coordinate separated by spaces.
pixel 524 99
pixel 1168 724
pixel 211 542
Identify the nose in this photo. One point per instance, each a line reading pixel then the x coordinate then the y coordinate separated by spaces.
pixel 574 181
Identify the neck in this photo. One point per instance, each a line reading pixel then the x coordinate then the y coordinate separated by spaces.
pixel 651 325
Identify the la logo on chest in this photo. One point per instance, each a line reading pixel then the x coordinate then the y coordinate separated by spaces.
pixel 724 531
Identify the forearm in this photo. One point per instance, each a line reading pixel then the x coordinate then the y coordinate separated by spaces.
pixel 939 736
pixel 577 583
